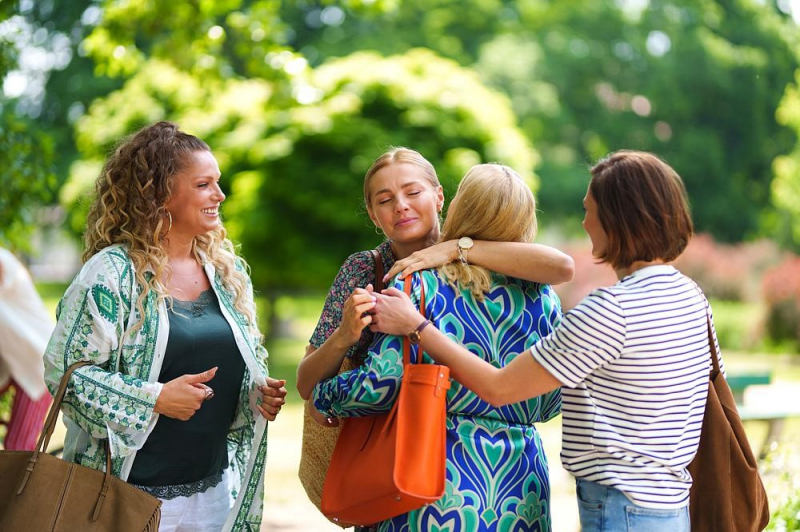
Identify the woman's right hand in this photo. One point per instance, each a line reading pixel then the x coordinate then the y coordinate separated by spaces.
pixel 354 314
pixel 430 257
pixel 395 313
pixel 180 398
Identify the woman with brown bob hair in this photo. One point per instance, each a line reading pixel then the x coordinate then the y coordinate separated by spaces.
pixel 163 309
pixel 632 359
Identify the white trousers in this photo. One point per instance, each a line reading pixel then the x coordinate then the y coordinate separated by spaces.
pixel 201 512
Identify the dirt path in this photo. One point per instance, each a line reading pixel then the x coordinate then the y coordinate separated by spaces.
pixel 287 508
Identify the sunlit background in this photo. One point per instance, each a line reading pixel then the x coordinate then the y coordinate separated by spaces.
pixel 297 98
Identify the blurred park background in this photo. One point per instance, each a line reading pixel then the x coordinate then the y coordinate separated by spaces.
pixel 296 99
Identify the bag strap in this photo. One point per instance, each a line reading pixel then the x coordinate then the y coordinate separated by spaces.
pixel 47 431
pixel 376 256
pixel 711 344
pixel 714 354
pixel 52 415
pixel 406 341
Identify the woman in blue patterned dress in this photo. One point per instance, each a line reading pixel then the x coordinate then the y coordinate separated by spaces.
pixel 497 477
pixel 404 200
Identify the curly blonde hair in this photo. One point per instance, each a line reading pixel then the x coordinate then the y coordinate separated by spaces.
pixel 492 203
pixel 134 186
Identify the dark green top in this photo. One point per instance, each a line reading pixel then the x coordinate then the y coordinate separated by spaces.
pixel 185 452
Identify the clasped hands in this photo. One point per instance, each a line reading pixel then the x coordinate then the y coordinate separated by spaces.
pixel 390 312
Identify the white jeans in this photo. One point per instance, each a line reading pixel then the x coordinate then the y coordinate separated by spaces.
pixel 201 512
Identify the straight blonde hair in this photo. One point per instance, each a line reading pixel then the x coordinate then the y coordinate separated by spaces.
pixel 492 203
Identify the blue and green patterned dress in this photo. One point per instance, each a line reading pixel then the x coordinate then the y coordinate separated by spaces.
pixel 497 476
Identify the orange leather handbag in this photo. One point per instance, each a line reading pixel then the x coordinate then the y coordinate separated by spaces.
pixel 392 463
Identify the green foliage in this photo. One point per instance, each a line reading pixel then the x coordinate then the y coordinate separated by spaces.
pixel 26 156
pixel 736 325
pixel 787 516
pixel 696 81
pixel 786 186
pixel 297 219
pixel 781 474
pixel 453 28
pixel 220 38
pixel 6 402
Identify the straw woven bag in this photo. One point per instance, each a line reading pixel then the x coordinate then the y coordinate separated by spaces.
pixel 319 441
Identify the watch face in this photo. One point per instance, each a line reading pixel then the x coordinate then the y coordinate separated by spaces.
pixel 465 242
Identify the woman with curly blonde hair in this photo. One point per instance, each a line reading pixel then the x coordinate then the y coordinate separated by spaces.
pixel 163 309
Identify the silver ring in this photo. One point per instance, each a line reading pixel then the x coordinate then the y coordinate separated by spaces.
pixel 209 394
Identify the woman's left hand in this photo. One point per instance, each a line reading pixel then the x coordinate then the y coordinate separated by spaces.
pixel 394 313
pixel 430 257
pixel 272 398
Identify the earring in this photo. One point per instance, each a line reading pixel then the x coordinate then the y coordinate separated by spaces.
pixel 378 230
pixel 169 215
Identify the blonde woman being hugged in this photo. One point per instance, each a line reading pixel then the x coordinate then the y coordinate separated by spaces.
pixel 497 476
pixel 633 358
pixel 404 200
pixel 163 309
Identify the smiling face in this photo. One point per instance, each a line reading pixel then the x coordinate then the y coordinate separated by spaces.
pixel 592 225
pixel 405 204
pixel 196 196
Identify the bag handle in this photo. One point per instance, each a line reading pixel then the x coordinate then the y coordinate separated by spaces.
pixel 47 432
pixel 376 256
pixel 406 342
pixel 711 344
pixel 407 351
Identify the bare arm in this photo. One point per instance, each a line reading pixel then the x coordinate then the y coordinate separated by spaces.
pixel 532 262
pixel 324 362
pixel 522 379
pixel 321 363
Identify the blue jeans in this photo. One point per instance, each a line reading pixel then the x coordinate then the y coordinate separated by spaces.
pixel 606 509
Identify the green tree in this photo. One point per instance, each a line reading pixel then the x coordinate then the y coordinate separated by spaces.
pixel 26 152
pixel 696 81
pixel 294 174
pixel 786 186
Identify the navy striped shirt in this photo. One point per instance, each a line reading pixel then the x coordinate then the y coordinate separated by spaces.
pixel 634 359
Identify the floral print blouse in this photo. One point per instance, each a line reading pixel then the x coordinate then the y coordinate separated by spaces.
pixel 357 272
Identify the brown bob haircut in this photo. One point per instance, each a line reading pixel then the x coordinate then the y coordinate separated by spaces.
pixel 642 206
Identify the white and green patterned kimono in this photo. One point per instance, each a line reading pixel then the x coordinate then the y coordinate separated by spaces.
pixel 115 397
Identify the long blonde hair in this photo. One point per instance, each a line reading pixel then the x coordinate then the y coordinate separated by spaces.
pixel 131 191
pixel 492 203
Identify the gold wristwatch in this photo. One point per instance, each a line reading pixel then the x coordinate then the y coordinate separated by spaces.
pixel 465 243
